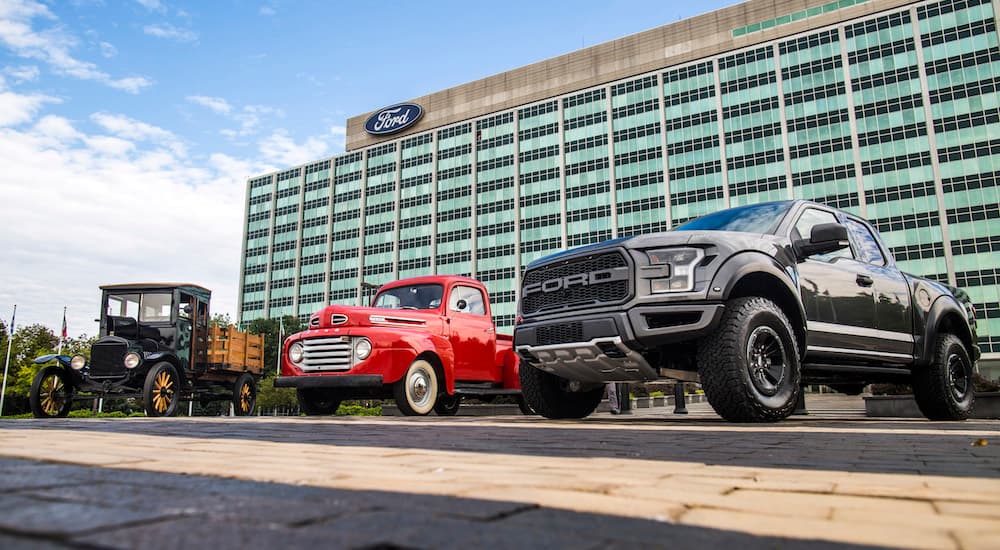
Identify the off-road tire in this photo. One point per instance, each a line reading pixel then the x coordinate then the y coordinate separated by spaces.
pixel 162 390
pixel 724 363
pixel 51 393
pixel 944 390
pixel 416 392
pixel 447 405
pixel 546 394
pixel 244 395
pixel 318 402
pixel 848 388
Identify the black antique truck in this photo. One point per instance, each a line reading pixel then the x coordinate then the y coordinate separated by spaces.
pixel 752 302
pixel 156 344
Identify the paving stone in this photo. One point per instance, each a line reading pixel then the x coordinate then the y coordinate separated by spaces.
pixel 13 542
pixel 187 533
pixel 24 515
pixel 466 482
pixel 771 525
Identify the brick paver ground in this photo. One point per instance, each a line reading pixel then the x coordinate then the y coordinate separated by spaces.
pixel 651 479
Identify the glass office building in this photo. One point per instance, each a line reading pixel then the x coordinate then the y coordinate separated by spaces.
pixel 885 108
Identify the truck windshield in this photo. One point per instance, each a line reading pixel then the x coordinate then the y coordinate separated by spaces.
pixel 146 308
pixel 410 297
pixel 755 218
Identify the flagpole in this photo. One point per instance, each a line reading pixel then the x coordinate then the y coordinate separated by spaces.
pixel 6 364
pixel 62 334
pixel 281 343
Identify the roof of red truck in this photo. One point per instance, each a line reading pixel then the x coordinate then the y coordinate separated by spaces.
pixel 431 279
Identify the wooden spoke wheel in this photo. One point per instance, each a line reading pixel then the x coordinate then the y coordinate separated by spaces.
pixel 161 392
pixel 244 395
pixel 51 393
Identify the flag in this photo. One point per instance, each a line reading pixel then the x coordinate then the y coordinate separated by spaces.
pixel 62 335
pixel 12 317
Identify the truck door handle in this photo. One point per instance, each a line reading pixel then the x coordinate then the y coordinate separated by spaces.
pixel 488 330
pixel 864 280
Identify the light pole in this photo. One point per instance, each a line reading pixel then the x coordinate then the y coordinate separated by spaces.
pixel 365 285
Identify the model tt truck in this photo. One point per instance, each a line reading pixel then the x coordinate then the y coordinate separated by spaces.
pixel 155 343
pixel 426 341
pixel 753 302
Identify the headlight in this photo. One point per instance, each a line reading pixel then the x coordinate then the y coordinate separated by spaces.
pixel 681 262
pixel 132 360
pixel 363 349
pixel 295 353
pixel 78 362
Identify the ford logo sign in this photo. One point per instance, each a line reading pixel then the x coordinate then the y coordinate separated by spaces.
pixel 393 119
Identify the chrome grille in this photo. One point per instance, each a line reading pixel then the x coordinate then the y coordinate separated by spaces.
pixel 106 359
pixel 326 353
pixel 613 291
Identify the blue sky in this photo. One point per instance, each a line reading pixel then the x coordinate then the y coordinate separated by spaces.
pixel 128 127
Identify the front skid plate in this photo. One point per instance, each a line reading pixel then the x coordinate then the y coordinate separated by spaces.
pixel 587 362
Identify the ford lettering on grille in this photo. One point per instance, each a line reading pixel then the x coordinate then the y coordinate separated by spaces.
pixel 593 280
pixel 581 279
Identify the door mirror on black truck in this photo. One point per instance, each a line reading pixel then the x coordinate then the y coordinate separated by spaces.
pixel 823 239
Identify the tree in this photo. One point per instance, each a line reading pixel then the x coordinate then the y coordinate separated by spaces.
pixel 269 328
pixel 220 320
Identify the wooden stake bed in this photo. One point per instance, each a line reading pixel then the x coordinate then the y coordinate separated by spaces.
pixel 235 351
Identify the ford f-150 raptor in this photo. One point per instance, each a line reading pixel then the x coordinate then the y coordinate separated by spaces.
pixel 752 302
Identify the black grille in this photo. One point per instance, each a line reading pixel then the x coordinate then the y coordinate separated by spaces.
pixel 559 334
pixel 106 358
pixel 612 291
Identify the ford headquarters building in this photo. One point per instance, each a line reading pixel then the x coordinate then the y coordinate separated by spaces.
pixel 886 108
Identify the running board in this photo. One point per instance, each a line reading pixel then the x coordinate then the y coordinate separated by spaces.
pixel 478 389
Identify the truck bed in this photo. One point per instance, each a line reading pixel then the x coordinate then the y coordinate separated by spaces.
pixel 232 350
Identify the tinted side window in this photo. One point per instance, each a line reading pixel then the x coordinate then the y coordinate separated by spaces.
pixel 868 249
pixel 812 217
pixel 474 302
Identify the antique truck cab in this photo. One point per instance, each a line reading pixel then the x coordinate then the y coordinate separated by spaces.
pixel 154 344
pixel 425 342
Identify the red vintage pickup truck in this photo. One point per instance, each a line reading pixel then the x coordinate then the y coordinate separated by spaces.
pixel 425 341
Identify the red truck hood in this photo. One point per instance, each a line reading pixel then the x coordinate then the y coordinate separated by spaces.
pixel 348 316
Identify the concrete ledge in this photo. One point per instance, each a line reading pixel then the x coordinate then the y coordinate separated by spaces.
pixel 390 409
pixel 652 402
pixel 904 406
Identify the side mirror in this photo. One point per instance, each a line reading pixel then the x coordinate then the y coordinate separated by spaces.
pixel 188 309
pixel 825 238
pixel 460 305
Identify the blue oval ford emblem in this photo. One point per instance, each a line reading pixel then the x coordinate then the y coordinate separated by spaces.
pixel 393 119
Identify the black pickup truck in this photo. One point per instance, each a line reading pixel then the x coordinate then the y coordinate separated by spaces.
pixel 752 302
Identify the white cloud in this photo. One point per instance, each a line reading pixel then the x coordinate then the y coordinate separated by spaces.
pixel 267 10
pixel 24 73
pixel 132 84
pixel 339 134
pixel 19 108
pixel 118 206
pixel 170 32
pixel 56 131
pixel 108 50
pixel 248 116
pixel 217 104
pixel 52 45
pixel 129 128
pixel 152 5
pixel 281 149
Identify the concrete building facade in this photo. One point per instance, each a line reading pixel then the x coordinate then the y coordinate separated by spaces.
pixel 886 108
